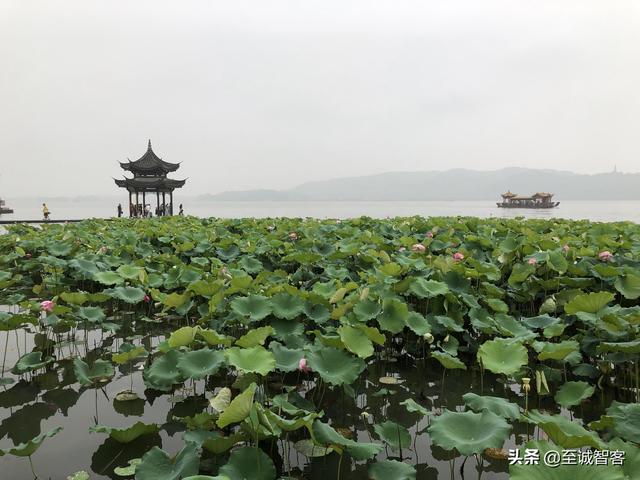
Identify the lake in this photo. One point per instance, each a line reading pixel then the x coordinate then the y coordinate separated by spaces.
pixel 601 211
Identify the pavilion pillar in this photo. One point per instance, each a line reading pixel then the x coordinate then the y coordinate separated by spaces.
pixel 137 204
pixel 130 203
pixel 157 203
pixel 144 204
pixel 171 194
pixel 164 204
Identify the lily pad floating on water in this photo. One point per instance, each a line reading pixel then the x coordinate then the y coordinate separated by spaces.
pixel 469 432
pixel 387 469
pixel 129 434
pixel 129 470
pixel 127 396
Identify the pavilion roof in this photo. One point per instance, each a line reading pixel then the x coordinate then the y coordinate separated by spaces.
pixel 150 184
pixel 509 194
pixel 149 164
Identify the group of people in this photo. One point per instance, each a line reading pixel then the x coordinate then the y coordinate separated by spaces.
pixel 144 211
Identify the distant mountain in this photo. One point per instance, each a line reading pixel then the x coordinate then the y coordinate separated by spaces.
pixel 457 184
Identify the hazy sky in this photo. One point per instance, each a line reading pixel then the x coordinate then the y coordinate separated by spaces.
pixel 269 94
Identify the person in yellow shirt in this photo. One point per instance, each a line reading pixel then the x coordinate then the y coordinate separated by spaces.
pixel 45 211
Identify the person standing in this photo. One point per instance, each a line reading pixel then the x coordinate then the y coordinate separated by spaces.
pixel 181 212
pixel 45 211
pixel 119 210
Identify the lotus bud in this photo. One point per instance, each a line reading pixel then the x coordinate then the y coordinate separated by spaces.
pixel 526 387
pixel 429 235
pixel 446 339
pixel 418 248
pixel 566 248
pixel 532 261
pixel 428 337
pixel 605 256
pixel 147 298
pixel 47 306
pixel 365 415
pixel 458 256
pixel 302 365
pixel 293 236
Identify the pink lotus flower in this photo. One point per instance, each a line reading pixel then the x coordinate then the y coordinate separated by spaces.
pixel 532 261
pixel 605 256
pixel 147 298
pixel 429 235
pixel 302 365
pixel 47 306
pixel 566 248
pixel 293 236
pixel 458 256
pixel 418 247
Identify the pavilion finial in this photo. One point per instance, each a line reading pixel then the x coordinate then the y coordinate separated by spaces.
pixel 149 144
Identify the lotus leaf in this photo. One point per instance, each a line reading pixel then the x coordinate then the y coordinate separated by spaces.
pixel 501 355
pixel 335 366
pixel 556 351
pixel 394 434
pixel 128 353
pixel 564 432
pixel 29 362
pixel 255 307
pixel 626 420
pixel 92 314
pixel 573 393
pixel 182 337
pixel 325 434
pixel 239 408
pixel 500 406
pixel 422 288
pixel 108 278
pixel 214 338
pixel 217 443
pixel 129 470
pixel 287 359
pixel 221 401
pixel 469 432
pixel 28 448
pixel 366 310
pixel 394 315
pixel 309 449
pixel 127 435
pixel 254 337
pixel 163 372
pixel 88 375
pixel 632 347
pixel 412 406
pixel 628 285
pixel 287 306
pixel 198 364
pixel 354 340
pixel 156 464
pixel 249 463
pixel 128 294
pixel 255 359
pixel 588 302
pixel 386 469
pixel 448 361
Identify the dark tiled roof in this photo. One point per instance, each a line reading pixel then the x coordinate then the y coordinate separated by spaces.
pixel 150 163
pixel 150 183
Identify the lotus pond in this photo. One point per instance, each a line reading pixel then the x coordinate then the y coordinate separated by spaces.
pixel 297 348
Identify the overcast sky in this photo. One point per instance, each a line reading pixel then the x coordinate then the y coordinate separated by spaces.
pixel 270 94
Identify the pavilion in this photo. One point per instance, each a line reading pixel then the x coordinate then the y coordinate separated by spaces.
pixel 149 177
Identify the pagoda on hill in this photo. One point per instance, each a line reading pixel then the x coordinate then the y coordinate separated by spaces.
pixel 149 177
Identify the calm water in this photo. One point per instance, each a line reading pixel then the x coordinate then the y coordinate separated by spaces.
pixel 604 211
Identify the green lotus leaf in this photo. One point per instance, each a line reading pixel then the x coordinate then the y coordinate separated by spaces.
pixel 556 351
pixel 163 372
pixel 469 432
pixel 573 393
pixel 394 315
pixel 287 306
pixel 176 300
pixel 75 298
pixel 129 470
pixel 239 408
pixel 256 307
pixel 291 425
pixel 249 463
pixel 213 338
pixel 197 364
pixel 366 310
pixel 500 406
pixel 28 448
pixel 92 314
pixel 418 324
pixel 217 443
pixel 564 432
pixel 540 471
pixel 182 337
pixel 255 359
pixel 519 273
pixel 412 406
pixel 287 359
pixel 448 361
pixel 29 362
pixel 126 435
pixel 391 269
pixel 128 353
pixel 625 347
pixel 316 312
pixel 250 264
pixel 156 464
pixel 628 285
pixel 311 450
pixel 324 434
pixel 626 420
pixel 541 321
pixel 10 321
pixel 387 469
pixel 254 337
pixel 354 340
pixel 497 305
pixel 588 302
pixel 130 295
pixel 394 434
pixel 557 261
pixel 221 401
pixel 631 465
pixel 423 288
pixel 335 366
pixel 502 355
pixel 108 278
pixel 88 375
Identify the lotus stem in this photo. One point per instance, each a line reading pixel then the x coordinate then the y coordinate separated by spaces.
pixel 339 467
pixel 6 345
pixel 35 475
